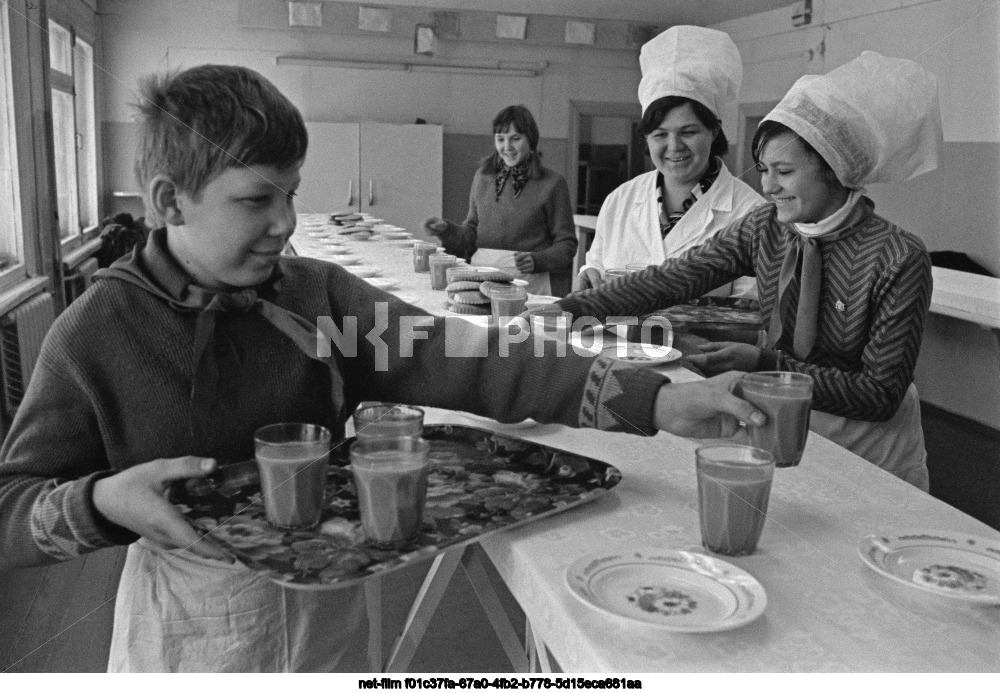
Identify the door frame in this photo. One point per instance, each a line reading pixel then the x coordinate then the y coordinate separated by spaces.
pixel 630 110
pixel 749 115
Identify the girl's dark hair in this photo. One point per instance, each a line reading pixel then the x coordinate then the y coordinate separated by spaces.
pixel 769 129
pixel 520 119
pixel 658 110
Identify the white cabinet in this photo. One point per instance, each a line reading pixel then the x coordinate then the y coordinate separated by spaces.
pixel 391 171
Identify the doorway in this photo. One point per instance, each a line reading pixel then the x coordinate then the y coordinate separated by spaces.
pixel 606 150
pixel 750 116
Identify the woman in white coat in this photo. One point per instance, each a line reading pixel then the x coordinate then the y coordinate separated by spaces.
pixel 690 79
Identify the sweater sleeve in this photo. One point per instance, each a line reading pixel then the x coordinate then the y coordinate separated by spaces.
pixel 721 259
pixel 457 364
pixel 558 257
pixel 874 391
pixel 50 460
pixel 460 240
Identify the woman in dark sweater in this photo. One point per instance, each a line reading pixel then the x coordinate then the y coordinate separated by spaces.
pixel 519 211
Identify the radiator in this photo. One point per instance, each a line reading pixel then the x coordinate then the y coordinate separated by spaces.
pixel 77 282
pixel 21 333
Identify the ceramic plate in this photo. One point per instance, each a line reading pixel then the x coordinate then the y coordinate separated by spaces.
pixel 404 243
pixel 396 235
pixel 479 482
pixel 951 565
pixel 672 590
pixel 333 249
pixel 338 259
pixel 519 426
pixel 384 284
pixel 642 354
pixel 365 271
pixel 408 298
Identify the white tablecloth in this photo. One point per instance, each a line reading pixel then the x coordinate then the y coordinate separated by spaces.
pixel 826 610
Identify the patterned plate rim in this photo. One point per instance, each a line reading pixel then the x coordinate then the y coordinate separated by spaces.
pixel 873 551
pixel 672 354
pixel 749 609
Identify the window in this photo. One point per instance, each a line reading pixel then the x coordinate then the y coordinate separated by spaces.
pixel 74 131
pixel 11 224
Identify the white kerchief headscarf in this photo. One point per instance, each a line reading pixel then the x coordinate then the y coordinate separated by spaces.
pixel 873 119
pixel 693 62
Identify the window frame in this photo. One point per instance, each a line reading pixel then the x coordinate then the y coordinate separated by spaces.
pixel 22 151
pixel 71 16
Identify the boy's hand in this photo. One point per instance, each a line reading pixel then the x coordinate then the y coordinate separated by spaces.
pixel 135 499
pixel 589 278
pixel 719 357
pixel 704 409
pixel 524 262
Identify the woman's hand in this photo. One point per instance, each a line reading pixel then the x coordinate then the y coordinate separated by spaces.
pixel 524 262
pixel 135 499
pixel 704 409
pixel 589 278
pixel 719 357
pixel 435 225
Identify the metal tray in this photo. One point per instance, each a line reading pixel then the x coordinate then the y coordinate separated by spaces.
pixel 480 482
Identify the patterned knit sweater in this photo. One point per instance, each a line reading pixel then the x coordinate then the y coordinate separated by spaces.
pixel 875 293
pixel 539 221
pixel 113 385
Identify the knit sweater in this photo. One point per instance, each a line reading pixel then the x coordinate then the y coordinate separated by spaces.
pixel 538 221
pixel 875 293
pixel 112 388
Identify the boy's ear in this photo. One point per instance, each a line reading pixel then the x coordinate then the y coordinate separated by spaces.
pixel 163 197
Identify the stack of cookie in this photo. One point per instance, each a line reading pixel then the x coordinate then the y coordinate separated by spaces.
pixel 353 225
pixel 468 289
pixel 345 218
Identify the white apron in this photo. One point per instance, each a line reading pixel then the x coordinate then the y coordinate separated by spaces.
pixel 896 445
pixel 538 282
pixel 176 611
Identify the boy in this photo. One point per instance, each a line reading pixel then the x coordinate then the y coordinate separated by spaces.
pixel 220 339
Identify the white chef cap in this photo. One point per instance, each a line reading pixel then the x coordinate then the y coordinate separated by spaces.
pixel 873 119
pixel 694 62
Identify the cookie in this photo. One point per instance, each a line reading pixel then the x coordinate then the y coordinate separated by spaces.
pixel 467 308
pixel 462 286
pixel 472 274
pixel 488 286
pixel 469 297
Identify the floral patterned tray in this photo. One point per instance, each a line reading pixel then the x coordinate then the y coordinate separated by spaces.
pixel 715 311
pixel 479 482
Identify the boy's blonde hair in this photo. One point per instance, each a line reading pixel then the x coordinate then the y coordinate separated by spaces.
pixel 195 124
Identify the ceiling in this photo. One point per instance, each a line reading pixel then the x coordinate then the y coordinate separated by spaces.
pixel 661 12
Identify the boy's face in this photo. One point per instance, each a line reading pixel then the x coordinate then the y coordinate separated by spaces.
pixel 232 234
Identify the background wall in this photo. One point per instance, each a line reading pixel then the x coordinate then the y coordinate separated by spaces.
pixel 144 36
pixel 957 206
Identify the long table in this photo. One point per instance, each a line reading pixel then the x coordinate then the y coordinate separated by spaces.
pixel 826 610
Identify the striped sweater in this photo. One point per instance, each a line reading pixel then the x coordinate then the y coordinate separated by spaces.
pixel 874 297
pixel 112 389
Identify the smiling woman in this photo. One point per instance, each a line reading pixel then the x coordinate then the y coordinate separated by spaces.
pixel 843 292
pixel 519 211
pixel 691 78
